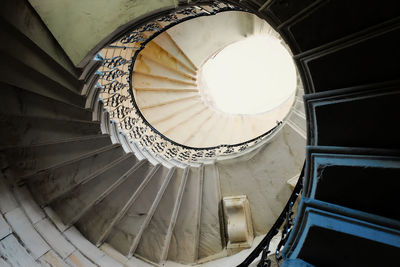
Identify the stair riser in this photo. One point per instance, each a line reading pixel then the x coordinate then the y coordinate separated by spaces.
pixel 153 239
pixel 25 131
pixel 20 102
pixel 55 181
pixel 24 50
pixel 27 160
pixel 36 82
pixel 72 206
pixel 96 221
pixel 128 228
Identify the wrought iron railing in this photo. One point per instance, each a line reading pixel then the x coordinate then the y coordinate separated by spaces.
pixel 115 80
pixel 284 223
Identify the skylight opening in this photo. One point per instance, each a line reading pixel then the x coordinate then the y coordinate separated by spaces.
pixel 250 76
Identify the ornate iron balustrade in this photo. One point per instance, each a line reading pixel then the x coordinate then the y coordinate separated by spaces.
pixel 284 223
pixel 115 81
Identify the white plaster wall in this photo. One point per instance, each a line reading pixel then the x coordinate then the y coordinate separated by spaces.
pixel 268 169
pixel 80 25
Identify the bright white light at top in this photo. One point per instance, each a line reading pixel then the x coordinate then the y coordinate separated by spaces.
pixel 251 76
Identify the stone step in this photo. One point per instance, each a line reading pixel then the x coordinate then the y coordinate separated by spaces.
pixel 14 253
pixel 50 183
pixel 164 112
pixel 142 81
pixel 129 227
pixel 165 41
pixel 195 125
pixel 94 224
pixel 151 66
pixel 34 81
pixel 158 196
pixel 210 241
pixel 203 136
pixel 21 102
pixel 30 130
pixel 24 50
pixel 167 126
pixel 148 100
pixel 136 193
pixel 174 215
pixel 184 242
pixel 153 239
pixel 24 161
pixel 157 53
pixel 73 204
pixel 299 120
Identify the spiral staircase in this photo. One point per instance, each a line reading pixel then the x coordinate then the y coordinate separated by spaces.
pixel 75 191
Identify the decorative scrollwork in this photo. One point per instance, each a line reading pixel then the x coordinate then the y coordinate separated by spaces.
pixel 115 100
pixel 133 37
pixel 168 18
pixel 115 79
pixel 113 74
pixel 115 62
pixel 113 87
pixel 187 11
pixel 121 112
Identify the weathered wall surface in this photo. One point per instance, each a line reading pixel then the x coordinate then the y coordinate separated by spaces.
pixel 80 25
pixel 267 169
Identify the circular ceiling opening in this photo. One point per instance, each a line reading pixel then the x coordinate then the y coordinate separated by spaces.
pixel 251 76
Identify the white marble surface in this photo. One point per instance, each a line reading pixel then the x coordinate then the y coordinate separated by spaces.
pixel 153 238
pixel 96 221
pixel 210 235
pixel 262 175
pixel 183 244
pixel 128 228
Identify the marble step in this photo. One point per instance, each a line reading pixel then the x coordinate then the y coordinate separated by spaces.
pixel 30 130
pixel 24 50
pixel 298 119
pixel 151 66
pixel 219 132
pixel 188 128
pixel 24 161
pixel 164 112
pixel 210 241
pixel 155 237
pixel 157 53
pixel 17 74
pixel 73 204
pixel 20 102
pixel 154 205
pixel 144 82
pixel 165 41
pixel 148 100
pixel 96 224
pixel 299 105
pixel 201 138
pixel 174 215
pixel 129 228
pixel 50 183
pixel 185 238
pixel 167 126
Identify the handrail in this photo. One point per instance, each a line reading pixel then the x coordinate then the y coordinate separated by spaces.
pixel 285 216
pixel 116 76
